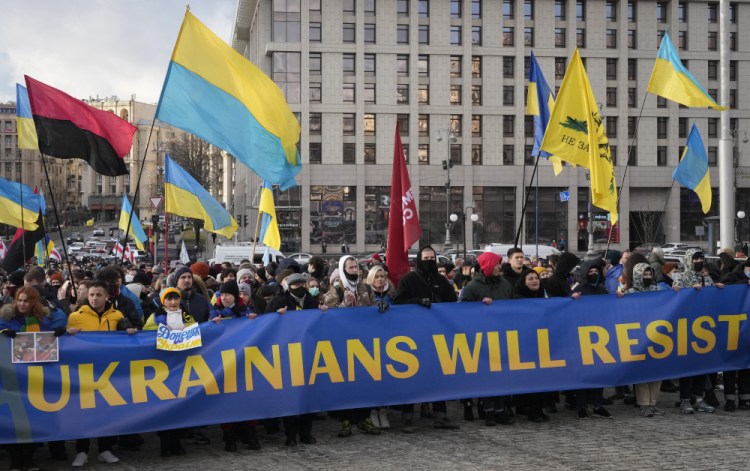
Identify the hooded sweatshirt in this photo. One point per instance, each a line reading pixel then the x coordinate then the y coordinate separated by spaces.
pixel 557 285
pixel 484 285
pixel 638 286
pixel 424 282
pixel 689 276
pixel 586 286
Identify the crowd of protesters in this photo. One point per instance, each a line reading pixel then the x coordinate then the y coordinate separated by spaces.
pixel 115 298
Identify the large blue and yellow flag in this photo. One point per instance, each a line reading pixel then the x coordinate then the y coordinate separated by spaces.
pixel 539 102
pixel 576 134
pixel 186 197
pixel 19 205
pixel 671 80
pixel 692 171
pixel 269 227
pixel 136 230
pixel 27 138
pixel 215 93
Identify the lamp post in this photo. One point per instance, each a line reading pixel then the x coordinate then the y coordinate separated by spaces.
pixel 474 218
pixel 447 165
pixel 737 227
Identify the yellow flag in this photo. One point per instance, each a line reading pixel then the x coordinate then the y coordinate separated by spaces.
pixel 90 222
pixel 576 134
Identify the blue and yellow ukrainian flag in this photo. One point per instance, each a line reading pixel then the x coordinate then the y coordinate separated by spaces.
pixel 539 102
pixel 43 250
pixel 27 138
pixel 692 171
pixel 136 230
pixel 215 93
pixel 269 227
pixel 186 197
pixel 671 80
pixel 19 209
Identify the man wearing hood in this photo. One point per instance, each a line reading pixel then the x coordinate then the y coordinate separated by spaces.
pixel 488 285
pixel 425 286
pixel 592 278
pixel 557 285
pixel 692 274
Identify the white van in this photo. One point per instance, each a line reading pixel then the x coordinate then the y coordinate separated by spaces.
pixel 530 250
pixel 239 252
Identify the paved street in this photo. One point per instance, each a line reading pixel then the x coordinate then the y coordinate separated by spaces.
pixel 701 441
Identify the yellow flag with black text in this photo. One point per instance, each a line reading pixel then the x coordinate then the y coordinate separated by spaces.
pixel 576 134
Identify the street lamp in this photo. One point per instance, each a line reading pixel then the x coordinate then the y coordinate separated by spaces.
pixel 447 165
pixel 474 218
pixel 738 233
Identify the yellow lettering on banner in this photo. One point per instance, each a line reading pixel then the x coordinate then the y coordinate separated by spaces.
pixel 625 342
pixel 733 329
pixel 545 360
pixel 704 334
pixel 89 386
pixel 36 389
pixel 139 384
pixel 400 356
pixel 448 361
pixel 324 351
pixel 660 339
pixel 493 346
pixel 296 365
pixel 682 340
pixel 589 346
pixel 271 372
pixel 229 363
pixel 205 377
pixel 514 353
pixel 371 363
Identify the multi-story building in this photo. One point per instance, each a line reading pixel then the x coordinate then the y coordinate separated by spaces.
pixel 452 76
pixel 26 165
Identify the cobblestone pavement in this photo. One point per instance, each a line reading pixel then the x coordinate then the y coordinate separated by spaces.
pixel 700 441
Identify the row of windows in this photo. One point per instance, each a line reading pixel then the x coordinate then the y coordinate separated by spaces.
pixel 509 9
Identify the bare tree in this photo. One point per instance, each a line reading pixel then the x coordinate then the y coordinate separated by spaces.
pixel 648 226
pixel 200 159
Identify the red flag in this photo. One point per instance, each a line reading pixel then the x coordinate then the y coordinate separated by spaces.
pixel 69 128
pixel 403 221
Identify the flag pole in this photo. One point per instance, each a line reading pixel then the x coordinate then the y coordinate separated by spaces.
pixel 57 220
pixel 137 188
pixel 525 202
pixel 20 189
pixel 661 216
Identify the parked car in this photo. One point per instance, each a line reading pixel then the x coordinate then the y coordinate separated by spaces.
pixel 301 258
pixel 74 237
pixel 670 247
pixel 98 232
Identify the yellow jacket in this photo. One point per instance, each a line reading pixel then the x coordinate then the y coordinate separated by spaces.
pixel 87 320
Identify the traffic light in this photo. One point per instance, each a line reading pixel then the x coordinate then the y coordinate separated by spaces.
pixel 155 223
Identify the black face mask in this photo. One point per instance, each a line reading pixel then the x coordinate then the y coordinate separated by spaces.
pixel 298 291
pixel 351 277
pixel 698 266
pixel 593 279
pixel 427 266
pixel 647 282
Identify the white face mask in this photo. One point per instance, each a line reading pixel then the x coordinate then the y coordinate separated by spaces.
pixel 174 320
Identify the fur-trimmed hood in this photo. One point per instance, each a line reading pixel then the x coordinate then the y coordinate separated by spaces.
pixel 7 312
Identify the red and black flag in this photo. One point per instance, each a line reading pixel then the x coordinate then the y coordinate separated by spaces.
pixel 69 128
pixel 22 247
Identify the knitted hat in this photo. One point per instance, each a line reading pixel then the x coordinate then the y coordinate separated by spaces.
pixel 487 262
pixel 230 287
pixel 200 269
pixel 539 270
pixel 245 272
pixel 181 271
pixel 17 277
pixel 335 274
pixel 284 274
pixel 245 288
pixel 668 267
pixel 290 263
pixel 295 278
pixel 166 291
pixel 56 277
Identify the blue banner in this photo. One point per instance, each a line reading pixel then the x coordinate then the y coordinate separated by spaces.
pixel 304 361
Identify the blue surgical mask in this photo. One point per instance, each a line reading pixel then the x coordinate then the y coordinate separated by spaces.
pixel 314 291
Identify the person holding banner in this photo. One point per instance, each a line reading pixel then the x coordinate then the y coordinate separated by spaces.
pixel 296 298
pixel 425 286
pixel 97 314
pixel 198 306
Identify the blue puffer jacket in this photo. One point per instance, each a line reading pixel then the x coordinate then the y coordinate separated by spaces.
pixel 12 319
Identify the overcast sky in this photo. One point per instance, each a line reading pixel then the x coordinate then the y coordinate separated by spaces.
pixel 98 47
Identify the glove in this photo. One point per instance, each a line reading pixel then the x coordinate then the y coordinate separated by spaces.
pixel 59 331
pixel 426 302
pixel 383 306
pixel 10 333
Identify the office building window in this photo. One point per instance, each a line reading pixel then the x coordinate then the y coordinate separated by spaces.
pixel 559 69
pixel 476 94
pixel 732 41
pixel 315 155
pixel 632 120
pixel 348 94
pixel 476 35
pixel 350 153
pixel 661 12
pixel 315 63
pixel 455 9
pixel 286 21
pixel 713 40
pixel 424 34
pixel 713 153
pixel 733 13
pixel 632 69
pixel 402 94
pixel 287 74
pixel 455 35
pixel 403 124
pixel 580 10
pixel 508 12
pixel 682 12
pixel 661 102
pixel 476 9
pixel 476 66
pixel 508 94
pixel 315 32
pixel 659 36
pixel 423 8
pixel 632 13
pixel 632 39
pixel 316 124
pixel 509 63
pixel 712 12
pixel 581 37
pixel 610 10
pixel 423 94
pixel 423 65
pixel 611 69
pixel 456 124
pixel 369 93
pixel 713 70
pixel 476 125
pixel 476 154
pixel 402 34
pixel 369 124
pixel 369 64
pixel 713 128
pixel 611 97
pixel 661 127
pixel 370 153
pixel 560 37
pixel 402 65
pixel 508 36
pixel 733 98
pixel 423 154
pixel 661 156
pixel 528 37
pixel 455 66
pixel 611 128
pixel 732 71
pixel 682 125
pixel 455 153
pixel 348 124
pixel 370 33
pixel 682 40
pixel 423 125
pixel 528 126
pixel 714 94
pixel 508 154
pixel 455 97
pixel 349 34
pixel 560 10
pixel 631 97
pixel 402 7
pixel 528 10
pixel 370 7
pixel 315 92
pixel 633 157
pixel 611 39
pixel 349 64
pixel 349 7
pixel 314 6
pixel 509 122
